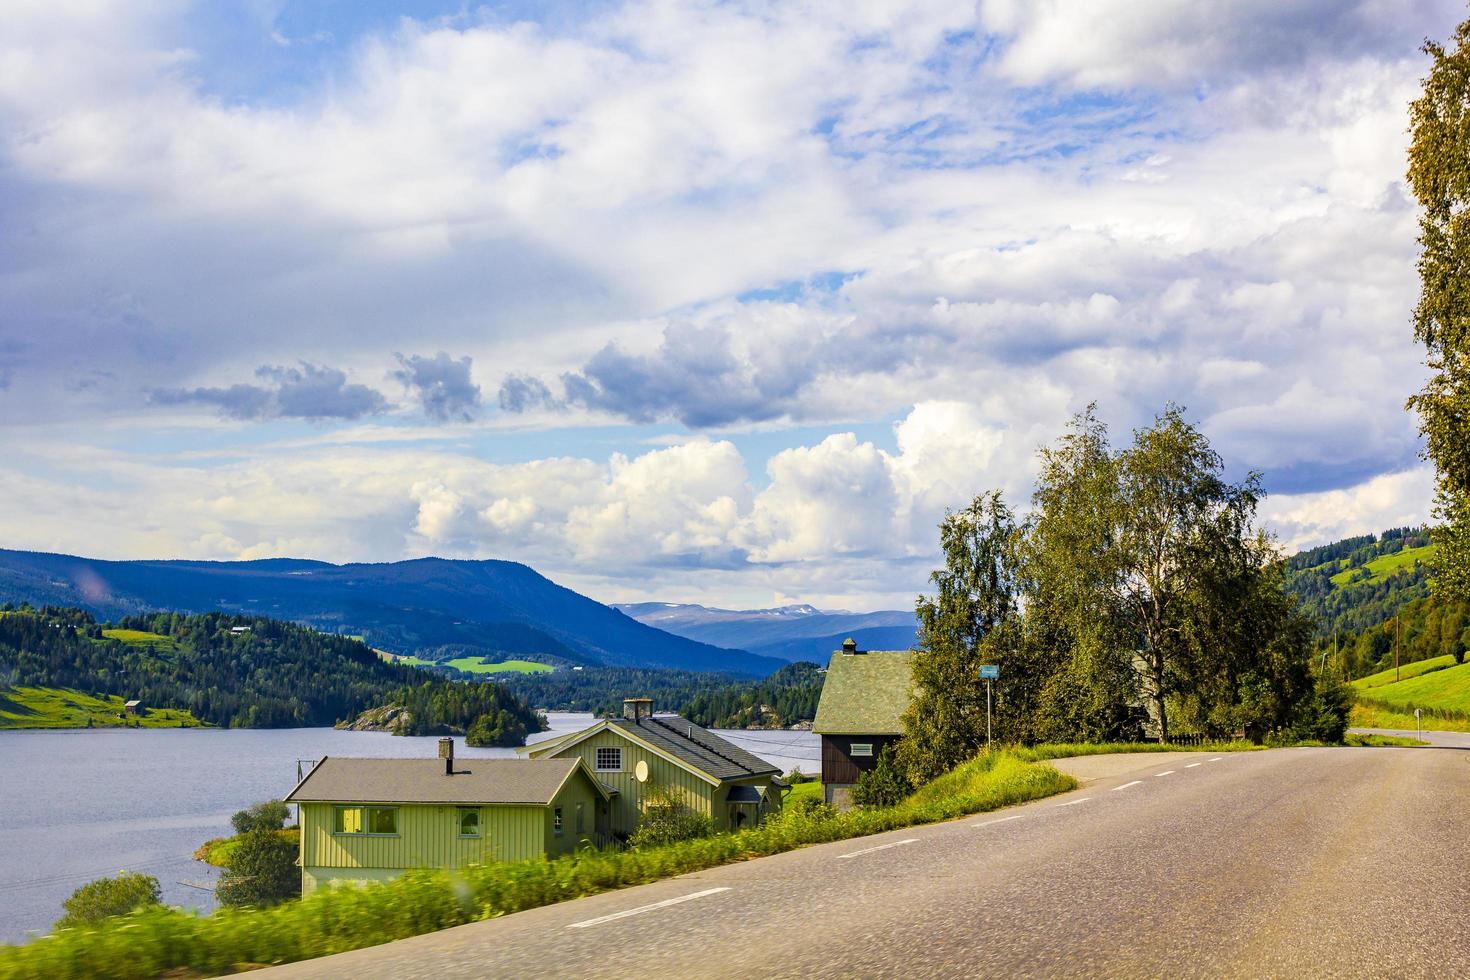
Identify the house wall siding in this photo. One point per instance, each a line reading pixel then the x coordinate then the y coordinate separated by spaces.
pixel 840 767
pixel 696 792
pixel 428 837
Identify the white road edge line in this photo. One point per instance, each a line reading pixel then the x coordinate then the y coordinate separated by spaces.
pixel 1166 772
pixel 1193 764
pixel 646 908
pixel 880 847
pixel 1075 802
pixel 1136 782
pixel 998 820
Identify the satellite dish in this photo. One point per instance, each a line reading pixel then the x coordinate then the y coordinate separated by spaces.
pixel 640 771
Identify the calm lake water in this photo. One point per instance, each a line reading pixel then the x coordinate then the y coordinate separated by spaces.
pixel 78 805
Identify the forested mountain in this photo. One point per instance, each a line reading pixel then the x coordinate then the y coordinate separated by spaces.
pixel 787 697
pixel 240 672
pixel 1369 594
pixel 797 632
pixel 492 608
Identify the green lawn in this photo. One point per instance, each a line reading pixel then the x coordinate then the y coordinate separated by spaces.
pixel 43 707
pixel 139 637
pixel 1386 677
pixel 799 791
pixel 1422 686
pixel 1382 567
pixel 475 665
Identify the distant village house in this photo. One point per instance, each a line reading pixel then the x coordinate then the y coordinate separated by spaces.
pixel 135 707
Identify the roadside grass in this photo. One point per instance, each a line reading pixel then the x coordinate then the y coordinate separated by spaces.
pixel 1440 688
pixel 1385 566
pixel 1365 740
pixel 157 941
pixel 475 665
pixel 1386 677
pixel 51 707
pixel 805 791
pixel 1379 716
pixel 1066 750
pixel 217 851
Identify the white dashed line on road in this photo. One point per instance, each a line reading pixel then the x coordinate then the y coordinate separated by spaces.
pixel 880 847
pixel 1166 772
pixel 999 820
pixel 1136 782
pixel 1215 759
pixel 1075 802
pixel 1193 764
pixel 645 908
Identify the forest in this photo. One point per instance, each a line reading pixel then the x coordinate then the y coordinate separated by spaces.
pixel 239 672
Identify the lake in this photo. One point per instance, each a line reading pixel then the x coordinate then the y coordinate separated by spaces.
pixel 80 805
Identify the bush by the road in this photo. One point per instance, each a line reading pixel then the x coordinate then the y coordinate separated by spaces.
pixel 151 942
pixel 270 815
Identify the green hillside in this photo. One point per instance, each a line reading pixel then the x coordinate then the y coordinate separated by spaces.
pixel 1439 686
pixel 38 707
pixel 1382 568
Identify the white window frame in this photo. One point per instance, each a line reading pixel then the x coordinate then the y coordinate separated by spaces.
pixel 597 758
pixel 863 750
pixel 463 812
pixel 556 821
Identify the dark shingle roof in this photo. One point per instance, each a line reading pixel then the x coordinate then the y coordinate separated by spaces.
pixel 704 751
pixel 423 781
pixel 866 693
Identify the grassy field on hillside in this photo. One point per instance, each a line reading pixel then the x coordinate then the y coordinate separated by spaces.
pixel 1381 568
pixel 41 707
pixel 1371 716
pixel 1437 685
pixel 1386 677
pixel 475 665
pixel 138 637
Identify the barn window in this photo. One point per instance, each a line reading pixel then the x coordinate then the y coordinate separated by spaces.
pixel 609 760
pixel 469 822
pixel 556 821
pixel 862 748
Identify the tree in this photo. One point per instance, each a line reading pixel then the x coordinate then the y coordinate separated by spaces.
pixel 666 818
pixel 1439 173
pixel 884 785
pixel 970 620
pixel 106 897
pixel 270 815
pixel 260 871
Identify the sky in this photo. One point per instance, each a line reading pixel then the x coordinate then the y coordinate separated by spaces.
pixel 710 302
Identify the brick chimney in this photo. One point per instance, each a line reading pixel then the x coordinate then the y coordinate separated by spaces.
pixel 636 709
pixel 446 752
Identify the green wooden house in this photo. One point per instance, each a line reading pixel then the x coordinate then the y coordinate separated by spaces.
pixel 863 700
pixel 372 819
pixel 640 750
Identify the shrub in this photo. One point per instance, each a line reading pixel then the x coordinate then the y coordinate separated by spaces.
pixel 883 785
pixel 1324 716
pixel 667 819
pixel 796 777
pixel 270 815
pixel 106 897
pixel 260 871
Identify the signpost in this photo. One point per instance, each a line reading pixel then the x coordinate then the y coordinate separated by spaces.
pixel 1418 728
pixel 988 673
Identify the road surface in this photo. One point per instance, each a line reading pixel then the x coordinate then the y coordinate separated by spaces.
pixel 1293 862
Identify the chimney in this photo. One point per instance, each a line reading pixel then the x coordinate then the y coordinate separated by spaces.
pixel 849 647
pixel 446 752
pixel 636 709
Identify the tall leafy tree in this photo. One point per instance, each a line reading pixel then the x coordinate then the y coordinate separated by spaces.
pixel 1439 173
pixel 970 620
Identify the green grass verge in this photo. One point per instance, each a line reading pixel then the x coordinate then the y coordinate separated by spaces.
pixel 805 791
pixel 1364 740
pixel 1060 750
pixel 49 707
pixel 1385 566
pixel 219 850
pixel 150 943
pixel 1376 716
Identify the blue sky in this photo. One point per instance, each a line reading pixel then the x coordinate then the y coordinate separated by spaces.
pixel 689 301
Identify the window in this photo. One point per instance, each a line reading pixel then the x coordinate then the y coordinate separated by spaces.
pixel 862 748
pixel 469 822
pixel 556 821
pixel 381 820
pixel 580 825
pixel 609 760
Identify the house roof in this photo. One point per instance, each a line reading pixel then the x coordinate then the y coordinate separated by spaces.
pixel 866 693
pixel 695 746
pixel 475 781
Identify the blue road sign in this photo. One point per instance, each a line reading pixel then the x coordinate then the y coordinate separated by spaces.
pixel 990 672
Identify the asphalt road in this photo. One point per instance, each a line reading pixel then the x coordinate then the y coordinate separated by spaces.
pixel 1293 862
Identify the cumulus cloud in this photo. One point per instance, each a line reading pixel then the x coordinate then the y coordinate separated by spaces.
pixel 309 391
pixel 441 385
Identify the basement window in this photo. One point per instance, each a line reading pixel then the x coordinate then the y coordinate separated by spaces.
pixel 469 822
pixel 862 748
pixel 372 821
pixel 609 760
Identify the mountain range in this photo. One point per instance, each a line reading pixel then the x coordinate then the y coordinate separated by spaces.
pixel 498 609
pixel 796 632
